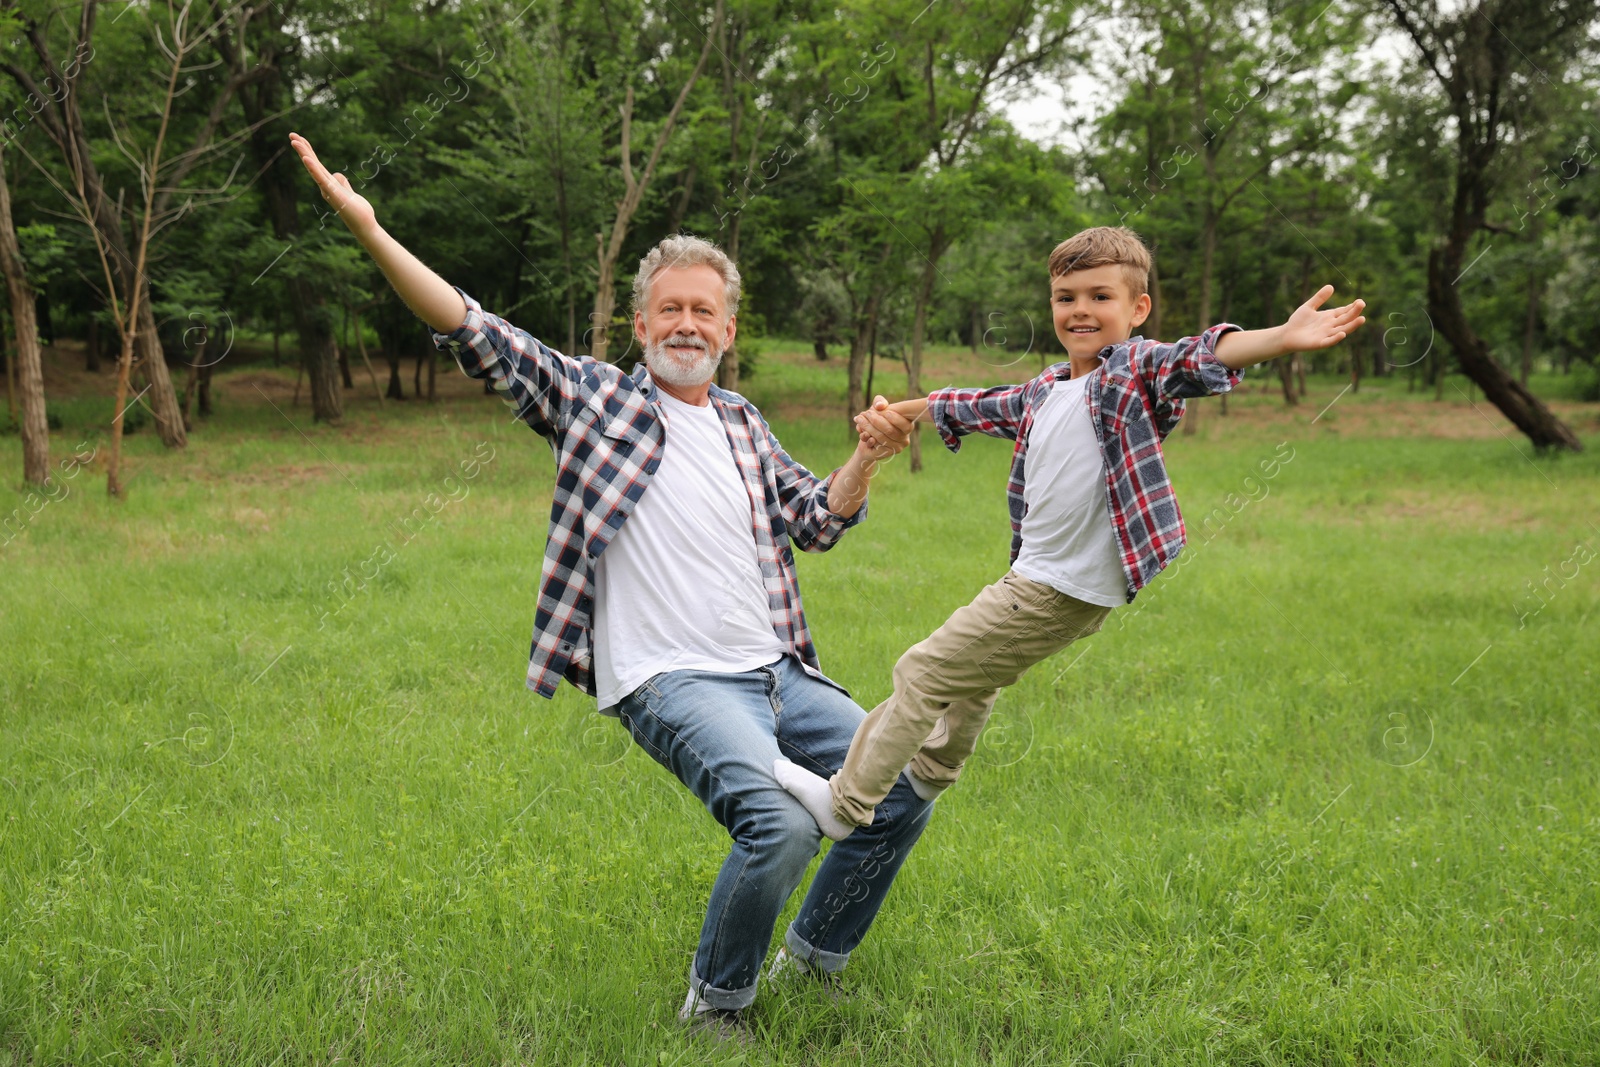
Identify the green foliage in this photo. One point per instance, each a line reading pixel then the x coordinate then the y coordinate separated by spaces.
pixel 1584 382
pixel 10 428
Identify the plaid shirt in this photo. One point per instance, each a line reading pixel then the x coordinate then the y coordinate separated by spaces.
pixel 1135 398
pixel 607 433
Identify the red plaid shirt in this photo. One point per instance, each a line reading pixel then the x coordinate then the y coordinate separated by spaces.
pixel 605 428
pixel 1135 398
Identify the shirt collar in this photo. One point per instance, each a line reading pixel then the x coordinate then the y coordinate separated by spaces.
pixel 1063 370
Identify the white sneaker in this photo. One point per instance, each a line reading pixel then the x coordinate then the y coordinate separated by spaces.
pixel 722 1024
pixel 793 968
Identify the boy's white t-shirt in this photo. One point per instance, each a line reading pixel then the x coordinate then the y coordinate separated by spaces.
pixel 1067 540
pixel 680 587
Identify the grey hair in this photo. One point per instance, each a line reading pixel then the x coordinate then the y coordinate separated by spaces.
pixel 685 250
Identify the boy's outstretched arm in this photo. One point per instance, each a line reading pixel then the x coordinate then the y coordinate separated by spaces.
pixel 1307 330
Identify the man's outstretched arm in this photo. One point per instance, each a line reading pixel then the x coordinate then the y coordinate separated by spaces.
pixel 434 300
pixel 544 386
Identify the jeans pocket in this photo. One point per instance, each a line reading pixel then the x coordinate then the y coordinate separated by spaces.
pixel 629 712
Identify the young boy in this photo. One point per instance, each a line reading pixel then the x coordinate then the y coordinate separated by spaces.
pixel 1093 515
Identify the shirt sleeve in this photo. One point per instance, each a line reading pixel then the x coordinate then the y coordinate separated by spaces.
pixel 803 497
pixel 1185 368
pixel 546 387
pixel 996 411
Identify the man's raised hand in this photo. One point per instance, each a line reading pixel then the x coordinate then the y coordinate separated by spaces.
pixel 351 206
pixel 1309 329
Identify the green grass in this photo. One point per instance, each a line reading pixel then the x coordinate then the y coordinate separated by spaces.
pixel 1314 798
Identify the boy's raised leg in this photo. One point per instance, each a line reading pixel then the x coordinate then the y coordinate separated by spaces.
pixel 982 648
pixel 938 763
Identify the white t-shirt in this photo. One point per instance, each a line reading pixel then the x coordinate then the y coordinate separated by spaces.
pixel 1067 540
pixel 679 587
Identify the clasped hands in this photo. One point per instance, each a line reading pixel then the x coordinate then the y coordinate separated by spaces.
pixel 884 431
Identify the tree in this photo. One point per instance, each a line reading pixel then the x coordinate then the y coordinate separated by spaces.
pixel 1492 59
pixel 57 94
pixel 261 70
pixel 30 375
pixel 609 249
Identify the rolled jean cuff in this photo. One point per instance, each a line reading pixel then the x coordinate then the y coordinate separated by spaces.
pixel 827 962
pixel 721 999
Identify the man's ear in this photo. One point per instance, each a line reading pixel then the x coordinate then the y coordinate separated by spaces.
pixel 1141 309
pixel 733 328
pixel 638 327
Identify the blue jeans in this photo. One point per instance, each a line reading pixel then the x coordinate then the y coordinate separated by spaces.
pixel 720 733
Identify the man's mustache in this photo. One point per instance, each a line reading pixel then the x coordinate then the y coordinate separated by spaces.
pixel 685 340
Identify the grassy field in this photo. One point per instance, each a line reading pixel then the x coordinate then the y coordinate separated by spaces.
pixel 1327 792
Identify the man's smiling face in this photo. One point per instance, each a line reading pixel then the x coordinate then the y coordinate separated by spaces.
pixel 1093 308
pixel 684 325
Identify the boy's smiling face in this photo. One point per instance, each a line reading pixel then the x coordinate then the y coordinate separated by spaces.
pixel 1093 308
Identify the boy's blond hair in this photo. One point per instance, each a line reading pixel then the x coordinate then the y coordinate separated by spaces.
pixel 1105 246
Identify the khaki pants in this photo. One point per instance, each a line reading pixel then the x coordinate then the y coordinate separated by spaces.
pixel 945 687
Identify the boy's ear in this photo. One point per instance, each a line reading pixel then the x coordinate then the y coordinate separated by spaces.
pixel 1141 309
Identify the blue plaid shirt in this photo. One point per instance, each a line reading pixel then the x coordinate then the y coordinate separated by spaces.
pixel 606 430
pixel 1135 398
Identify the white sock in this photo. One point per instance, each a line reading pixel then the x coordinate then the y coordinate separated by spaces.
pixel 928 791
pixel 813 792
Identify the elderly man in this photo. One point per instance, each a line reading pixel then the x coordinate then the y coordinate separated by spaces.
pixel 669 591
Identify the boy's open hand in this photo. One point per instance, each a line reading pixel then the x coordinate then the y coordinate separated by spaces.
pixel 351 206
pixel 1309 330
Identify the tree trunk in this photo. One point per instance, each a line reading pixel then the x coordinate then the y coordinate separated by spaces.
pixel 29 370
pixel 819 348
pixel 1270 284
pixel 866 329
pixel 872 362
pixel 203 389
pixel 91 345
pixel 11 377
pixel 152 363
pixel 395 391
pixel 1526 411
pixel 124 373
pixel 361 346
pixel 605 302
pixel 396 326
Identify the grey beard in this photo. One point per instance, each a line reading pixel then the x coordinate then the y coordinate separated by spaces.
pixel 665 367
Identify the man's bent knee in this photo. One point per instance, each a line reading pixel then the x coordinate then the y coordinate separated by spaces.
pixel 782 832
